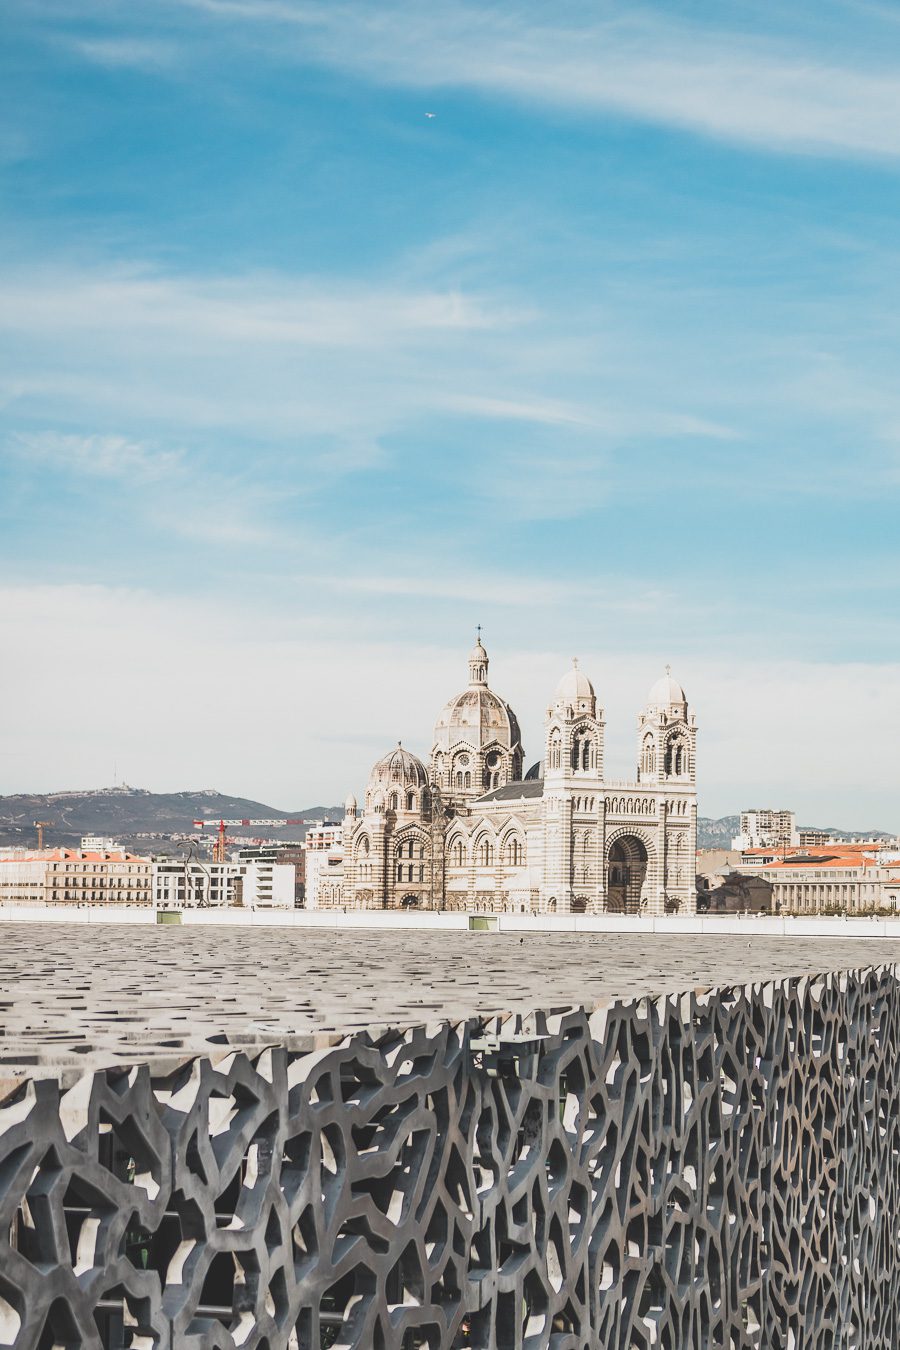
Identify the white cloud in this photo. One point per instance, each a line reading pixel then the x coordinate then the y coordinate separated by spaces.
pixel 128 53
pixel 102 456
pixel 250 309
pixel 160 483
pixel 731 85
pixel 329 370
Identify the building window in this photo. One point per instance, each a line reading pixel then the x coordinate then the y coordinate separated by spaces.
pixel 515 852
pixel 486 853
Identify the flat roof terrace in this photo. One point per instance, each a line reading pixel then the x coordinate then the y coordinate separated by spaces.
pixel 74 998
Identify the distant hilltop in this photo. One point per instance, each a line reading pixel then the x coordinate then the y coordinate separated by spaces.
pixel 125 812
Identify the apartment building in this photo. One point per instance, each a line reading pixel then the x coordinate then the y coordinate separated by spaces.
pixel 69 876
pixel 763 827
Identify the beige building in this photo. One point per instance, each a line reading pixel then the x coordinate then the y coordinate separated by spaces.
pixel 70 876
pixel 471 831
pixel 848 881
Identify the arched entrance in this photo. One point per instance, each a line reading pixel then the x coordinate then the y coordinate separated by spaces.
pixel 626 870
pixel 410 902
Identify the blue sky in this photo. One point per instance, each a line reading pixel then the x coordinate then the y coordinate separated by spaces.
pixel 298 384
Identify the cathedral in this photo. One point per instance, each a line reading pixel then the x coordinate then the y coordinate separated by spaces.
pixel 473 831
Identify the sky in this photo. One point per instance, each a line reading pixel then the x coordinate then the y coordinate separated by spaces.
pixel 331 330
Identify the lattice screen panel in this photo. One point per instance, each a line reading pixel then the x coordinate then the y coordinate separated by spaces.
pixel 700 1171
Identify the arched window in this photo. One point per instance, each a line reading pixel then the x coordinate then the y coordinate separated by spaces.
pixel 457 853
pixel 515 852
pixel 648 756
pixel 486 853
pixel 676 756
pixel 392 803
pixel 410 801
pixel 583 751
pixel 555 750
pixel 468 780
pixel 421 872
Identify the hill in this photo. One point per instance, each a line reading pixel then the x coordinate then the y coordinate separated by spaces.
pixel 717 833
pixel 131 814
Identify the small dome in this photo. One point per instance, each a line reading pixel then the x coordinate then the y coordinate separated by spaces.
pixel 478 652
pixel 399 766
pixel 574 688
pixel 535 772
pixel 350 804
pixel 666 693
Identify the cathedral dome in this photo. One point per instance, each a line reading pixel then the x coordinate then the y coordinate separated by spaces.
pixel 477 716
pixel 666 693
pixel 399 766
pixel 575 689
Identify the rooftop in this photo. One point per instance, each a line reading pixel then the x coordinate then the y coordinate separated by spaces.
pixel 513 792
pixel 78 998
pixel 67 855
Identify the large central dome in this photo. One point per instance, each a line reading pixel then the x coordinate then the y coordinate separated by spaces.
pixel 477 717
pixel 477 741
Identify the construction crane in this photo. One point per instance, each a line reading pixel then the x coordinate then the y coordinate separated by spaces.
pixel 219 846
pixel 40 826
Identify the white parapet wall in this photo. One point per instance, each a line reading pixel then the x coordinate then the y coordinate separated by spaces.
pixel 770 926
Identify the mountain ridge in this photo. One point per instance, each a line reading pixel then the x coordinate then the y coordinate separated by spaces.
pixel 128 813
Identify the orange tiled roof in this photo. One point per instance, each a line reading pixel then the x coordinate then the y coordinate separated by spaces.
pixel 830 862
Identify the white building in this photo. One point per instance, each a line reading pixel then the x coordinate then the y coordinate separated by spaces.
pixel 266 884
pixel 99 843
pixel 764 828
pixel 471 831
pixel 186 883
pixel 258 884
pixel 324 846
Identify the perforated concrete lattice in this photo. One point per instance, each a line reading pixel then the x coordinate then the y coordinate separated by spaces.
pixel 695 1169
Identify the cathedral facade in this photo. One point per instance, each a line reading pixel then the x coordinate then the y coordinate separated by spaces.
pixel 472 831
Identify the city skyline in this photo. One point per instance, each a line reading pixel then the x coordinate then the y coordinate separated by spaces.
pixel 301 382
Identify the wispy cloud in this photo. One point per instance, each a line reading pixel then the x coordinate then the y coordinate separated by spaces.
pixel 161 485
pixel 779 94
pixel 128 53
pixel 102 456
pixel 251 308
pixel 331 371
